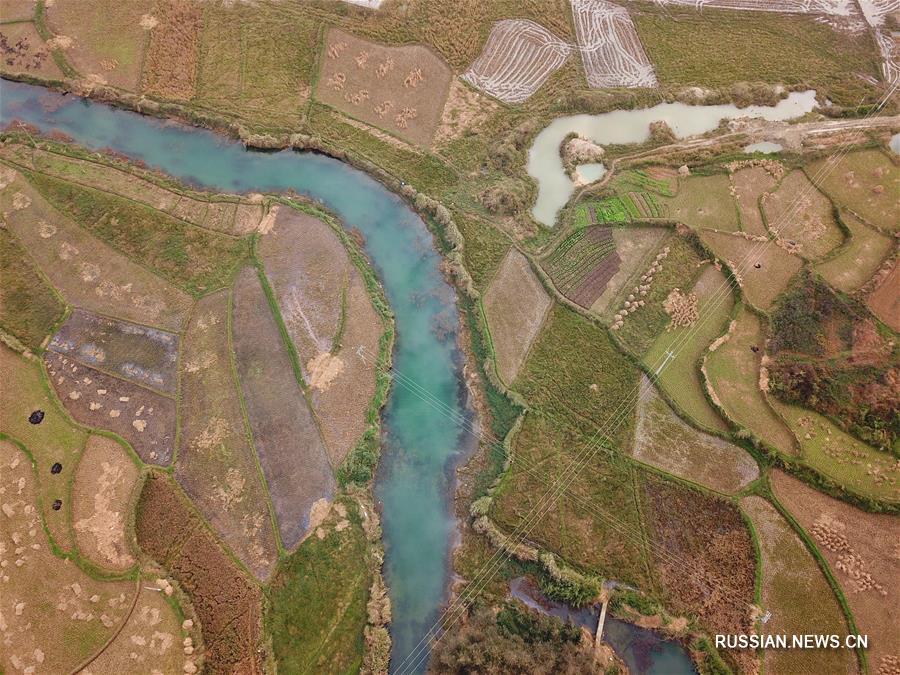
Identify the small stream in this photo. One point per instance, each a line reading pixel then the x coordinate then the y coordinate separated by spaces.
pixel 644 651
pixel 421 443
pixel 633 126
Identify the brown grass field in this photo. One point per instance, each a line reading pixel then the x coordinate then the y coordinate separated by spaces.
pixel 107 37
pixel 857 261
pixel 137 353
pixel 865 182
pixel 216 464
pixel 399 89
pixel 170 63
pixel 884 301
pixel 733 373
pixel 328 315
pixel 293 457
pixel 151 640
pixel 515 305
pixel 708 533
pixel 861 549
pixel 54 440
pixel 102 499
pixel 797 594
pixel 143 418
pixel 666 442
pixel 226 603
pixel 18 10
pixel 87 272
pixel 24 51
pixel 749 185
pixel 705 202
pixel 799 213
pixel 763 285
pixel 54 615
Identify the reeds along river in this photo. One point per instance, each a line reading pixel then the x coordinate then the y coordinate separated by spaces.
pixel 421 438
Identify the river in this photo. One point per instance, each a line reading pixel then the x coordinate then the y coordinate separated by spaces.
pixel 421 443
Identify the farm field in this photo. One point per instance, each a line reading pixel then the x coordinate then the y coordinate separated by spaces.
pixel 399 89
pixel 704 202
pixel 54 440
pixel 102 498
pixel 732 372
pixel 76 614
pixel 516 60
pixel 636 247
pixel 29 308
pixel 293 457
pixel 799 214
pixel 583 264
pixel 859 549
pixel 690 528
pixel 611 50
pixel 226 603
pixel 666 442
pixel 170 61
pixel 626 207
pixel 797 593
pixel 26 53
pixel 329 318
pixel 749 185
pixel 216 464
pixel 762 284
pixel 680 379
pixel 865 182
pixel 854 264
pixel 515 305
pixel 884 301
pixel 848 462
pixel 86 271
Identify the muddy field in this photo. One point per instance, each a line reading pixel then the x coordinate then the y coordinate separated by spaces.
pixel 106 38
pixel 137 353
pixel 87 272
pixel 216 464
pixel 861 549
pixel 742 254
pixel 704 555
pixel 226 603
pixel 150 641
pixel 797 594
pixel 293 457
pixel 860 257
pixel 515 305
pixel 54 615
pixel 516 60
pixel 749 185
pixel 801 216
pixel 664 441
pixel 143 418
pixel 610 47
pixel 54 440
pixel 102 498
pixel 170 62
pixel 330 319
pixel 399 89
pixel 733 372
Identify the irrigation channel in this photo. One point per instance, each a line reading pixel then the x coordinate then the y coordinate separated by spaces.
pixel 421 444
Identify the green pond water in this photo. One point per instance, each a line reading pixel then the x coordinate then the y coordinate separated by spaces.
pixel 421 442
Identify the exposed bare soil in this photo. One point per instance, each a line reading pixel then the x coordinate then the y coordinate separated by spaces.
pixel 23 51
pixel 145 419
pixel 399 89
pixel 863 552
pixel 101 502
pixel 515 305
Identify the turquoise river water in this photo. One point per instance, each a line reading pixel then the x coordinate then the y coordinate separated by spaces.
pixel 421 443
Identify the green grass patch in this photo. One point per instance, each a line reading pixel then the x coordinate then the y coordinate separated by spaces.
pixel 29 308
pixel 485 247
pixel 705 201
pixel 317 600
pixel 718 48
pixel 195 259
